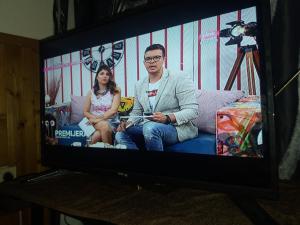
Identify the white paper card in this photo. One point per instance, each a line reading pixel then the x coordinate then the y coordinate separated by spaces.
pixel 87 128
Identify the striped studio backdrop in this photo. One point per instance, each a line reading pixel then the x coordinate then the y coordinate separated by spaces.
pixel 194 48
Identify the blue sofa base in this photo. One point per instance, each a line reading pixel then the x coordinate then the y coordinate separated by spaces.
pixel 205 143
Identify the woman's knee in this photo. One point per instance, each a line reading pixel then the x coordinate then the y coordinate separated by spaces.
pixel 103 126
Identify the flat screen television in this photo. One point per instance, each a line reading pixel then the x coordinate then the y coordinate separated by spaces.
pixel 221 47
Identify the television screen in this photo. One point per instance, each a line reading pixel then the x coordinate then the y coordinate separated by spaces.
pixel 181 90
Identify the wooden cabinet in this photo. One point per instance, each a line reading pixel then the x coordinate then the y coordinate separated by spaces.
pixel 19 103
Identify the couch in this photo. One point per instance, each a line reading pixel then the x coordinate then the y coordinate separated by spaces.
pixel 208 104
pixel 68 116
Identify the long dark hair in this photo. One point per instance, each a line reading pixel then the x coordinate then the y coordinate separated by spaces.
pixel 111 85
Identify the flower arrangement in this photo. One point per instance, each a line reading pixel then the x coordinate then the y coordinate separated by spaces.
pixel 54 85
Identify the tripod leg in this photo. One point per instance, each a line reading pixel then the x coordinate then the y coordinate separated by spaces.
pixel 248 66
pixel 252 74
pixel 234 70
pixel 256 61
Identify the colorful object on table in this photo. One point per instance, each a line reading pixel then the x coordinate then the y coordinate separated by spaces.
pixel 239 127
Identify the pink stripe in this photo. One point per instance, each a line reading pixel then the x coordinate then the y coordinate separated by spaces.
pixel 91 72
pixel 151 38
pixel 166 48
pixel 218 54
pixel 199 54
pixel 81 91
pixel 60 66
pixel 125 68
pixel 46 77
pixel 71 74
pixel 137 58
pixel 238 50
pixel 181 47
pixel 62 81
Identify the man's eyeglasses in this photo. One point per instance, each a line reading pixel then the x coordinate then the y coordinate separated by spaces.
pixel 154 59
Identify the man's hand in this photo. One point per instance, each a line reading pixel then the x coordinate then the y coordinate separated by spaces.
pixel 123 125
pixel 159 117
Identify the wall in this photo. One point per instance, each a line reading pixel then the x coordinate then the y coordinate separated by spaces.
pixel 30 18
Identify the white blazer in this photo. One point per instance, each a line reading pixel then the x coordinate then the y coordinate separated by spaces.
pixel 176 94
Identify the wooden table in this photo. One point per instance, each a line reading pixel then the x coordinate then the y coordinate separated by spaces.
pixel 114 200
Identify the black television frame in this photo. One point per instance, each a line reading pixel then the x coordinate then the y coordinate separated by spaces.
pixel 229 174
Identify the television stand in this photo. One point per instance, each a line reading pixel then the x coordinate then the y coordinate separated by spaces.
pixel 253 210
pixel 117 201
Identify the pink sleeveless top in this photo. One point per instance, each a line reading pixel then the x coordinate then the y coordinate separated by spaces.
pixel 100 104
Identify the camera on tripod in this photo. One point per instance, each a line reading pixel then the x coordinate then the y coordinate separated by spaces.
pixel 238 30
pixel 236 33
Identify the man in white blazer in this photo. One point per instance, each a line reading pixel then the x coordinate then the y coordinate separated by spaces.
pixel 164 105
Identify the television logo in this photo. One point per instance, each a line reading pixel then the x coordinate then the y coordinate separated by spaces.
pixel 69 133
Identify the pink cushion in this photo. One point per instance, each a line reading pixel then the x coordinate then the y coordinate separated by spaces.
pixel 77 103
pixel 209 102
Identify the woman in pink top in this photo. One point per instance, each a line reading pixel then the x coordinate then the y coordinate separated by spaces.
pixel 101 105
